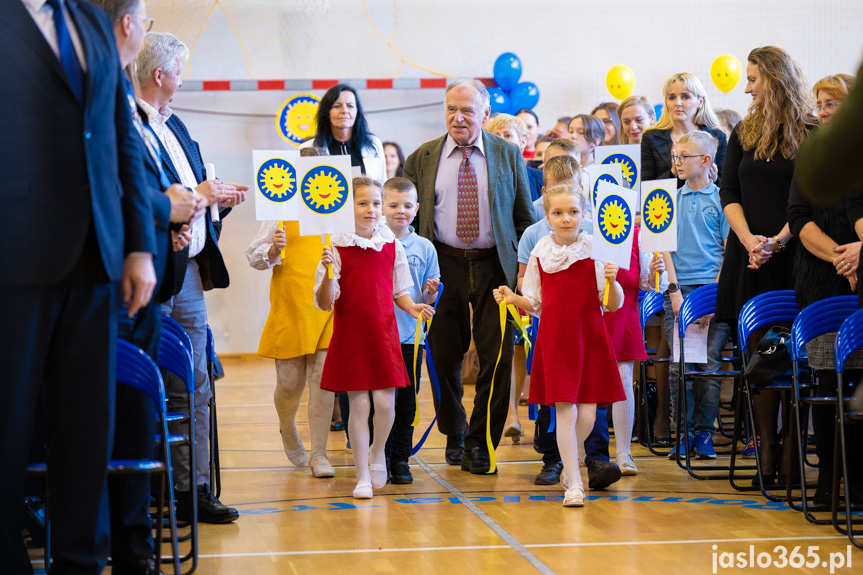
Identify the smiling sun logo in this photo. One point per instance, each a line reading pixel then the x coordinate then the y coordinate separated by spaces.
pixel 277 180
pixel 658 211
pixel 603 178
pixel 324 190
pixel 627 166
pixel 296 118
pixel 615 219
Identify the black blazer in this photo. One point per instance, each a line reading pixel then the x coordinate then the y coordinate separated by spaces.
pixel 656 154
pixel 214 273
pixel 69 167
pixel 161 206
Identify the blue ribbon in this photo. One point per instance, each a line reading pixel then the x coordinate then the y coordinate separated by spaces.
pixel 435 383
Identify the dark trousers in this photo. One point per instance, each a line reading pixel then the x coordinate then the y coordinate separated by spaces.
pixel 134 430
pixel 59 338
pixel 595 446
pixel 401 439
pixel 470 283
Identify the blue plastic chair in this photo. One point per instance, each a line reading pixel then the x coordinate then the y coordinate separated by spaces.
pixel 215 466
pixel 699 303
pixel 135 369
pixel 848 340
pixel 650 303
pixel 176 356
pixel 820 318
pixel 764 310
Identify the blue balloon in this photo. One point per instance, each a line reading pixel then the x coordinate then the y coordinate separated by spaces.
pixel 500 103
pixel 658 110
pixel 525 95
pixel 507 71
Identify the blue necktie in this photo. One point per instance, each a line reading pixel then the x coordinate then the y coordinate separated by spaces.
pixel 68 57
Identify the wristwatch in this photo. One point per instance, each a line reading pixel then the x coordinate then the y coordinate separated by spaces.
pixel 672 287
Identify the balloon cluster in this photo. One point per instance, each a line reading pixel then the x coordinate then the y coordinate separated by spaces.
pixel 510 95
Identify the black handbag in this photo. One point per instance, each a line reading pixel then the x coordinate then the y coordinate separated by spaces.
pixel 771 363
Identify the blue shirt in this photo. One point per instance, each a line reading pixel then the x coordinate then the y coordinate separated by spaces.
pixel 701 231
pixel 536 232
pixel 422 259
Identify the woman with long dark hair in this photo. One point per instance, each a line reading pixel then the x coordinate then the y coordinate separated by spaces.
pixel 343 131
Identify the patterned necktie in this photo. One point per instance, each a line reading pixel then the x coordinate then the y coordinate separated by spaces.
pixel 467 218
pixel 68 57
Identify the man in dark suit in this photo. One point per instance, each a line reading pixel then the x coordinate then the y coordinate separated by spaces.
pixel 197 268
pixel 75 221
pixel 475 204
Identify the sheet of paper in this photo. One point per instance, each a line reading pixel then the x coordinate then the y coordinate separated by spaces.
pixel 694 344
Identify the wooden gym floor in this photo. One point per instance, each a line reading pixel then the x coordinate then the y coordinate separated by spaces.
pixel 451 522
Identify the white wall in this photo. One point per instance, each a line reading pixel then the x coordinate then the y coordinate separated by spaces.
pixel 566 48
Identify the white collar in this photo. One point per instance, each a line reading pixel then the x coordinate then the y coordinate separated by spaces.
pixel 450 145
pixel 555 258
pixel 380 237
pixel 154 115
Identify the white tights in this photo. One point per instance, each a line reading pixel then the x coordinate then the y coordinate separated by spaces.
pixel 358 426
pixel 623 412
pixel 574 421
pixel 291 377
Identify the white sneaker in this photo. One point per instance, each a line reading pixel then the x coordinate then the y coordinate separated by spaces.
pixel 626 464
pixel 574 497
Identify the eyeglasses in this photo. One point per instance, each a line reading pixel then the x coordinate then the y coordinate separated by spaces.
pixel 828 105
pixel 683 158
pixel 148 24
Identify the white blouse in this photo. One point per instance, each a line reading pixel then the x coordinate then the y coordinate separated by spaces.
pixel 258 251
pixel 555 258
pixel 402 281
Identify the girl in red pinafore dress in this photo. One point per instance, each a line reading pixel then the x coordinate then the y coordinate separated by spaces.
pixel 624 328
pixel 573 362
pixel 365 353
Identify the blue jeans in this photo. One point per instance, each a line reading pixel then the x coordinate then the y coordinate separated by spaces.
pixel 705 395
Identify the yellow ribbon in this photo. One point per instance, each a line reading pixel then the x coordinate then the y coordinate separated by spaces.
pixel 418 336
pixel 605 294
pixel 656 287
pixel 489 444
pixel 325 239
pixel 521 323
pixel 283 249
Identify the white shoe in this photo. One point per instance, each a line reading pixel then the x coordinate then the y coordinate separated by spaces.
pixel 297 455
pixel 363 491
pixel 379 475
pixel 321 467
pixel 574 497
pixel 515 431
pixel 626 464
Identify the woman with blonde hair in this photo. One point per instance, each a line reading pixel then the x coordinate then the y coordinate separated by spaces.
pixel 754 194
pixel 636 114
pixel 685 109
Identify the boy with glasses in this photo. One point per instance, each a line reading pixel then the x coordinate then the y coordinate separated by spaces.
pixel 701 234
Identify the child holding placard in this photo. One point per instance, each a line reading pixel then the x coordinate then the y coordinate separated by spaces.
pixel 701 234
pixel 624 328
pixel 296 335
pixel 573 363
pixel 364 355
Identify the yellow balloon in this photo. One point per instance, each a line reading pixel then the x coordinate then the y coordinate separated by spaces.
pixel 725 72
pixel 620 81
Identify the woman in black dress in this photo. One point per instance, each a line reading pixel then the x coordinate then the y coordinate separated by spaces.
pixel 826 266
pixel 756 178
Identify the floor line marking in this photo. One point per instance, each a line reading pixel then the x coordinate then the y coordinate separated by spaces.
pixel 483 516
pixel 527 546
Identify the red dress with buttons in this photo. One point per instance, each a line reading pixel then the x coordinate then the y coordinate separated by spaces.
pixel 573 361
pixel 365 353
